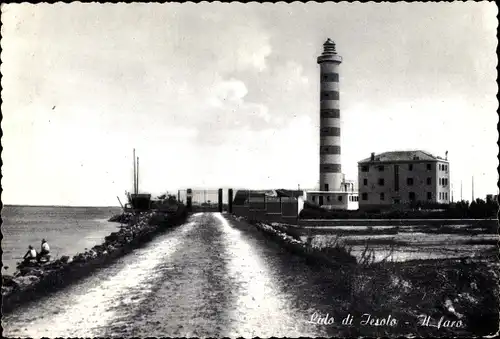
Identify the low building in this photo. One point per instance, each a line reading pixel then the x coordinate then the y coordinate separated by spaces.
pixel 344 199
pixel 403 178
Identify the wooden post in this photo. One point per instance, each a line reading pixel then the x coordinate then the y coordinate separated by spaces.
pixel 189 199
pixel 220 200
pixel 135 176
pixel 137 190
pixel 230 200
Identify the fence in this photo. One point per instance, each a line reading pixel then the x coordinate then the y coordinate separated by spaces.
pixel 201 200
pixel 260 206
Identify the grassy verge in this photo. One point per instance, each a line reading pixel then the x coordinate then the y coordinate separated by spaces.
pixel 458 298
pixel 456 290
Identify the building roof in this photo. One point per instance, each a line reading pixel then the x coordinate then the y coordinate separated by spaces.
pixel 394 156
pixel 242 195
pixel 289 193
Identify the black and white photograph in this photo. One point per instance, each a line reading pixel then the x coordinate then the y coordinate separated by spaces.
pixel 232 170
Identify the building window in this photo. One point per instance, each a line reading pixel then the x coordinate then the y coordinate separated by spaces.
pixel 325 77
pixel 365 182
pixel 429 167
pixel 340 198
pixel 327 198
pixel 410 167
pixel 409 181
pixel 313 198
pixel 429 181
pixel 446 181
pixel 381 182
pixel 381 168
pixel 440 195
pixel 445 195
pixel 411 195
pixel 382 196
pixel 364 168
pixel 429 195
pixel 326 187
pixel 364 196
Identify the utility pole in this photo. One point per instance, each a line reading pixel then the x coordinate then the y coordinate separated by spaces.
pixel 137 190
pixel 472 188
pixel 135 176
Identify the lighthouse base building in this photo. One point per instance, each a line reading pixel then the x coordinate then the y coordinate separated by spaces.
pixel 336 200
pixel 334 191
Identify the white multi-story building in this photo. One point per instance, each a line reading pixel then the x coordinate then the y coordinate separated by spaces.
pixel 403 177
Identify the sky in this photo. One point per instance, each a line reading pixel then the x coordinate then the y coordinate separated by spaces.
pixel 227 95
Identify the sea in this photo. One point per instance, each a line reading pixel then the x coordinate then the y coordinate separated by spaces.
pixel 68 230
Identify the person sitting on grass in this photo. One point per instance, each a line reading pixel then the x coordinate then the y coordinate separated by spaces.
pixel 45 250
pixel 30 256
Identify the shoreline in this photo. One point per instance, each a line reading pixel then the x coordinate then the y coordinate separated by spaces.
pixel 30 283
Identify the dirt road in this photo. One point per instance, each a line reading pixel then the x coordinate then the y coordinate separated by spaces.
pixel 209 277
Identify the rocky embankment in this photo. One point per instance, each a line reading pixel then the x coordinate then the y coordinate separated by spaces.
pixel 30 282
pixel 123 218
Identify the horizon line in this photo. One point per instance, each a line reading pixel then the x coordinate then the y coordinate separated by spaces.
pixel 74 206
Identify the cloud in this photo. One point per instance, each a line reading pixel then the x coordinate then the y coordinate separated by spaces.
pixel 202 89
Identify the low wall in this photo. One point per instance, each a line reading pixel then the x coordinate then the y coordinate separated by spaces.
pixel 268 215
pixel 32 282
pixel 395 222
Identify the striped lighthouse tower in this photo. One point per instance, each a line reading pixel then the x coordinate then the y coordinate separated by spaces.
pixel 330 172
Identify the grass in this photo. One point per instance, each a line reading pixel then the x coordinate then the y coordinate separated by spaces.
pixel 458 290
pixel 420 287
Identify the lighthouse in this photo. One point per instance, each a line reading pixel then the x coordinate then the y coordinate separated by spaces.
pixel 335 192
pixel 330 170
